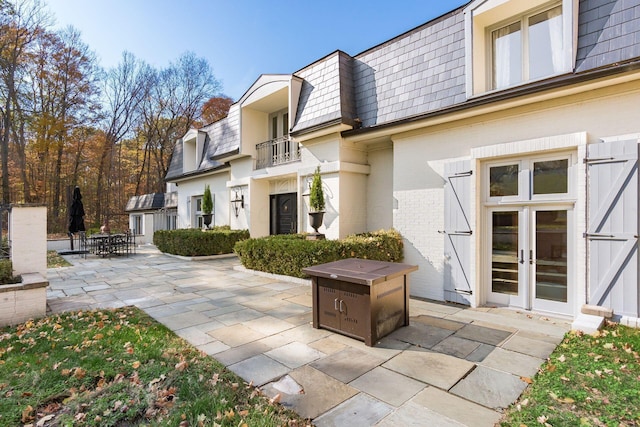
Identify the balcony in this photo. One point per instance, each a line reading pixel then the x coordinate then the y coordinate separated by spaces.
pixel 276 152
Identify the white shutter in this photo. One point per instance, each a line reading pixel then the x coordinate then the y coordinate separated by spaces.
pixel 612 231
pixel 457 232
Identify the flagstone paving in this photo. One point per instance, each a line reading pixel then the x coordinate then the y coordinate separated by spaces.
pixel 452 366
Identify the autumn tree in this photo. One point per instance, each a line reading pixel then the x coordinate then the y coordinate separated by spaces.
pixel 64 97
pixel 173 106
pixel 21 23
pixel 216 108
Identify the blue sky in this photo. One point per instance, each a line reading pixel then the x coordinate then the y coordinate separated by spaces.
pixel 241 39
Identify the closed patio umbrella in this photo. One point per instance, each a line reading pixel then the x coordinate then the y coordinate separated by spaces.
pixel 76 214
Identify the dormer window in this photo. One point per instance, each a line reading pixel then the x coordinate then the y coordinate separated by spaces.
pixel 527 49
pixel 514 42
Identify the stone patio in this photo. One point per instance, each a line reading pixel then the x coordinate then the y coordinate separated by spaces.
pixel 452 366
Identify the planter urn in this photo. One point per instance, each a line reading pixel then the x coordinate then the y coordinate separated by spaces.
pixel 206 218
pixel 315 220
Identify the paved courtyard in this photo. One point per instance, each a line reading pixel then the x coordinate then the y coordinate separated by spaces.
pixel 452 366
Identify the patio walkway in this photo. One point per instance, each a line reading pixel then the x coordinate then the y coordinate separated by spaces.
pixel 452 366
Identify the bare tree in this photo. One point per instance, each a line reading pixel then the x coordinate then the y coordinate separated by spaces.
pixel 125 88
pixel 174 105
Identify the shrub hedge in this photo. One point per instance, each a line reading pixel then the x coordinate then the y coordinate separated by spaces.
pixel 196 242
pixel 289 254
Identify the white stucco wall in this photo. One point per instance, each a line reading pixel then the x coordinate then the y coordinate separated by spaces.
pixel 195 187
pixel 28 234
pixel 380 200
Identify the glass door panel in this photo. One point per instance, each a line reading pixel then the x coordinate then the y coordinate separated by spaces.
pixel 504 252
pixel 551 255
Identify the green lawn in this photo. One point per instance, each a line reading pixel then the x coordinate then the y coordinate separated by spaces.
pixel 589 380
pixel 120 368
pixel 54 260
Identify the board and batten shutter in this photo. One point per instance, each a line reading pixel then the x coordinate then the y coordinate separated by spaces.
pixel 457 232
pixel 612 226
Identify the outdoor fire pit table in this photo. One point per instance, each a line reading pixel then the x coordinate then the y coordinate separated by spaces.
pixel 361 298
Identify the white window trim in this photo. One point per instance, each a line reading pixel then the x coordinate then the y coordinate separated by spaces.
pixel 533 147
pixel 133 223
pixel 477 63
pixel 525 179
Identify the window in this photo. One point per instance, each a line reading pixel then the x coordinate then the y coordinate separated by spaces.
pixel 528 49
pixel 544 178
pixel 136 224
pixel 171 220
pixel 279 124
pixel 513 42
pixel 198 221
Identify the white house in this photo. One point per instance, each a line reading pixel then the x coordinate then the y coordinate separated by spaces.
pixel 151 212
pixel 501 140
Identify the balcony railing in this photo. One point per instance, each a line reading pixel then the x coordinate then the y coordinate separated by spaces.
pixel 277 152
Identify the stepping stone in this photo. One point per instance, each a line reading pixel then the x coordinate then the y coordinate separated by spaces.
pixel 483 334
pixel 420 335
pixel 359 411
pixel 388 386
pixel 412 414
pixel 480 353
pixel 348 364
pixel 532 347
pixel 490 388
pixel 437 369
pixel 456 408
pixel 259 369
pixel 295 354
pixel 458 347
pixel 514 363
pixel 243 352
pixel 320 392
pixel 438 322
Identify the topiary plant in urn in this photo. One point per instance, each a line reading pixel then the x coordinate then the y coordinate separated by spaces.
pixel 316 201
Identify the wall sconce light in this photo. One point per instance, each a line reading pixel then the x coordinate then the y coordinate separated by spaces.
pixel 238 200
pixel 307 189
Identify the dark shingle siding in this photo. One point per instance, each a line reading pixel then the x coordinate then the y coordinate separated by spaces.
pixel 223 137
pixel 175 167
pixel 320 100
pixel 608 32
pixel 420 72
pixel 153 201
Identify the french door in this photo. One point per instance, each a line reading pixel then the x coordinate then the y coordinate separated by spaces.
pixel 530 251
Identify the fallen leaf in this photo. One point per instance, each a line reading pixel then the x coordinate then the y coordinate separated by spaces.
pixel 79 373
pixel 526 380
pixel 41 422
pixel 135 364
pixel 562 358
pixel 181 366
pixel 276 399
pixel 27 414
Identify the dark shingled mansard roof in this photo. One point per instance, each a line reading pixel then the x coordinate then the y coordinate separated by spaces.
pixel 421 73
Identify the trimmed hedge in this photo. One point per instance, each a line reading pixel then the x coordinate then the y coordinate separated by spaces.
pixel 289 254
pixel 196 242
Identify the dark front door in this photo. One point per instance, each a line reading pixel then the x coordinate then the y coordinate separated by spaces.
pixel 284 214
